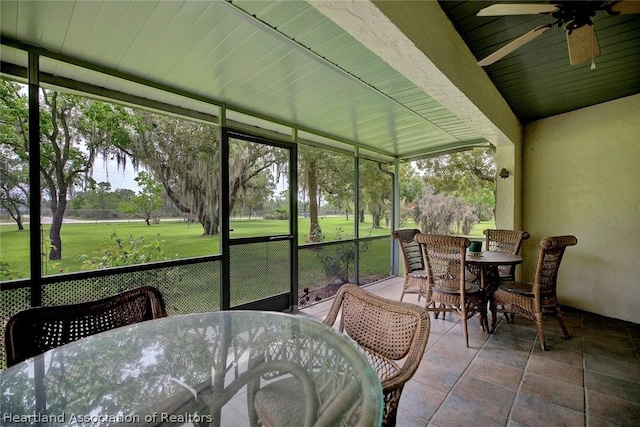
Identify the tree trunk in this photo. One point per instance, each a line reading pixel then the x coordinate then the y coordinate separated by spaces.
pixel 210 224
pixel 14 212
pixel 375 221
pixel 55 242
pixel 315 232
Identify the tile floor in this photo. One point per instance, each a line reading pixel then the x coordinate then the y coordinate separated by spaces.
pixel 505 379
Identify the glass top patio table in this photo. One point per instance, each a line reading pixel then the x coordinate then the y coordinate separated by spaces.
pixel 194 368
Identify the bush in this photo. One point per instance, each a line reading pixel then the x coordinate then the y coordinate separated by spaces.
pixel 276 214
pixel 336 259
pixel 128 251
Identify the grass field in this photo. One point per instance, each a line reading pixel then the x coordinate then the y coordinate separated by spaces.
pixel 178 239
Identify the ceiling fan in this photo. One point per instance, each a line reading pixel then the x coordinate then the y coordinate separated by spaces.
pixel 573 16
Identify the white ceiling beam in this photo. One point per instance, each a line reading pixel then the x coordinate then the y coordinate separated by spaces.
pixel 417 39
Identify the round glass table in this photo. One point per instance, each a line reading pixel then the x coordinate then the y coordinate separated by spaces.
pixel 195 369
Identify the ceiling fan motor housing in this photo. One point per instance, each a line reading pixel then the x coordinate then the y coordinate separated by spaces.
pixel 575 14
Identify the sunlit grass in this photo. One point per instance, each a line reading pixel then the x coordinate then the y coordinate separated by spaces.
pixel 178 239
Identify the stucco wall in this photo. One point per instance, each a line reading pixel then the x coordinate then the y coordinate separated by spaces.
pixel 581 176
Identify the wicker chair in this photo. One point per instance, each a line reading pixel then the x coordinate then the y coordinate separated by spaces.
pixel 532 299
pixel 394 336
pixel 388 331
pixel 507 241
pixel 34 331
pixel 446 269
pixel 415 275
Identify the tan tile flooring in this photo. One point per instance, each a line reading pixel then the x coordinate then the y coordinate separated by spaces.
pixel 505 379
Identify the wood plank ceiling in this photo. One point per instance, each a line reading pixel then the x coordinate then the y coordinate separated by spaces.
pixel 536 80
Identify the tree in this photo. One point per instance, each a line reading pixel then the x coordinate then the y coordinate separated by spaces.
pixel 184 157
pixel 64 162
pixel 14 167
pixel 324 174
pixel 469 175
pixel 147 201
pixel 252 198
pixel 411 184
pixel 339 183
pixel 375 192
pixel 98 202
pixel 72 133
pixel 309 164
pixel 14 187
pixel 437 213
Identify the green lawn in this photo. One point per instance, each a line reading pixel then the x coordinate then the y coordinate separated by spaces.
pixel 178 239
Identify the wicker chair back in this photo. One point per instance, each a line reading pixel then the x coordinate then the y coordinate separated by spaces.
pixel 34 331
pixel 394 335
pixel 507 241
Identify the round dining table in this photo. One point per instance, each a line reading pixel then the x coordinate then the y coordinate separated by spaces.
pixel 488 261
pixel 489 276
pixel 196 369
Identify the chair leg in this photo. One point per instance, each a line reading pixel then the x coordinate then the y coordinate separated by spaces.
pixel 485 318
pixel 404 286
pixel 494 316
pixel 561 320
pixel 440 308
pixel 541 331
pixel 463 319
pixel 430 305
pixel 465 331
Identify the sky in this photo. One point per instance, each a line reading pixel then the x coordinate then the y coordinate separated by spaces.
pixel 119 179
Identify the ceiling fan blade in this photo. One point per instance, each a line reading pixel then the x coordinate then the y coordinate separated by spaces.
pixel 517 9
pixel 515 44
pixel 583 44
pixel 625 7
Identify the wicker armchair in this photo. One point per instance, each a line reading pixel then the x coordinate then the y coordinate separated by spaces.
pixel 34 331
pixel 532 299
pixel 446 269
pixel 393 334
pixel 507 241
pixel 415 275
pixel 389 332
